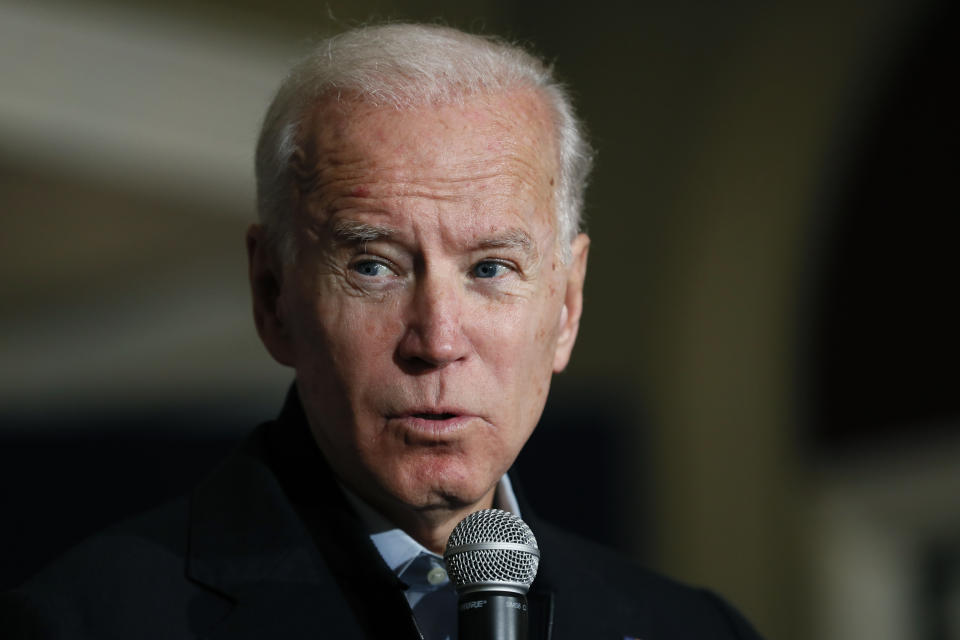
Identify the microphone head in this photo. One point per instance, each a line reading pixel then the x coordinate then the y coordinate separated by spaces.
pixel 492 550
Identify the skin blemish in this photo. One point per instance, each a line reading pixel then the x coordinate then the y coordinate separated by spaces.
pixel 551 182
pixel 360 192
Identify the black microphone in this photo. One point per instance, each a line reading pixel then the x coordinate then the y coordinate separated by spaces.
pixel 492 557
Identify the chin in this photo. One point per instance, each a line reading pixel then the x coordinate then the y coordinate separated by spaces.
pixel 445 485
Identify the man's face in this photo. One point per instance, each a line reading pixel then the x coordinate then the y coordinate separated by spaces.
pixel 427 307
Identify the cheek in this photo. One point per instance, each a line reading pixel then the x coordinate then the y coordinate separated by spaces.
pixel 360 334
pixel 341 336
pixel 547 321
pixel 520 343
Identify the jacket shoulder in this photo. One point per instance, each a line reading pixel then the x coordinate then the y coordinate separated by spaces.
pixel 129 578
pixel 594 585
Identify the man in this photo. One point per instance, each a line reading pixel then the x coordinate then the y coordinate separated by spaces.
pixel 419 265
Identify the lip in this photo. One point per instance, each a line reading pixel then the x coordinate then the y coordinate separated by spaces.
pixel 436 422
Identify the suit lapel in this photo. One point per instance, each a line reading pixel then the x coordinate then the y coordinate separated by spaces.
pixel 271 532
pixel 280 609
pixel 372 590
pixel 248 544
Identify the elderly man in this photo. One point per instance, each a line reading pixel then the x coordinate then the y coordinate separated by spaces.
pixel 419 265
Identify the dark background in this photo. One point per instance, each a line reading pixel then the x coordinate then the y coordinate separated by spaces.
pixel 763 395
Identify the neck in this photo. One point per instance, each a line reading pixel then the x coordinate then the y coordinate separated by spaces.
pixel 431 526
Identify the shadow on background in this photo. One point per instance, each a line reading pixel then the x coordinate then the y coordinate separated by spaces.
pixel 884 345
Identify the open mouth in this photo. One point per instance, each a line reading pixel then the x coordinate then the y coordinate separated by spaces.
pixel 435 416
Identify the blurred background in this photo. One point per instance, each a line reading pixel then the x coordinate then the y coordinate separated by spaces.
pixel 764 391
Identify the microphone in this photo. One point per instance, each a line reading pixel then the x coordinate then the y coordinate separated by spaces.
pixel 492 557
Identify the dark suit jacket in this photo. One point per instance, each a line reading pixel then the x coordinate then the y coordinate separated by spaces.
pixel 267 547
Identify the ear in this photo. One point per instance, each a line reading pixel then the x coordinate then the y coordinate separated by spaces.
pixel 266 284
pixel 572 303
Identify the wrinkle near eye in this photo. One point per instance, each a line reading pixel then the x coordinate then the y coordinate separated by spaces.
pixel 343 278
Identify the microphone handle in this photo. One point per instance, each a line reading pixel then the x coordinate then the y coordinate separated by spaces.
pixel 492 615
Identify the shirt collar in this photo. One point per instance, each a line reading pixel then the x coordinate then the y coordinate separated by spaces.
pixel 397 548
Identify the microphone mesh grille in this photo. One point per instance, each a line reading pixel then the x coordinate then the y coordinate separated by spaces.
pixel 504 566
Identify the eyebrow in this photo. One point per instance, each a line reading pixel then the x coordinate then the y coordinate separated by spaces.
pixel 509 239
pixel 352 231
pixel 349 231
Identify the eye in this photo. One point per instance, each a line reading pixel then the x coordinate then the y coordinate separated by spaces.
pixel 489 269
pixel 372 268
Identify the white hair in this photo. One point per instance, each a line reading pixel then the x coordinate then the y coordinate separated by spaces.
pixel 405 65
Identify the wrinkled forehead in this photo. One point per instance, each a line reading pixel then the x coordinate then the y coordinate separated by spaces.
pixel 511 134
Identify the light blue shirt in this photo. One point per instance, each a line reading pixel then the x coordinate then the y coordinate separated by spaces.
pixel 430 593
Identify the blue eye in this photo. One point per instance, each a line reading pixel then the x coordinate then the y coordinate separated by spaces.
pixel 371 268
pixel 488 269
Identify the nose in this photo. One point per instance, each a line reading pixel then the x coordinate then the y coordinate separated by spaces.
pixel 434 337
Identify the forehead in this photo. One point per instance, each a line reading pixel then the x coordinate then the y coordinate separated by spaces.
pixel 518 120
pixel 489 146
